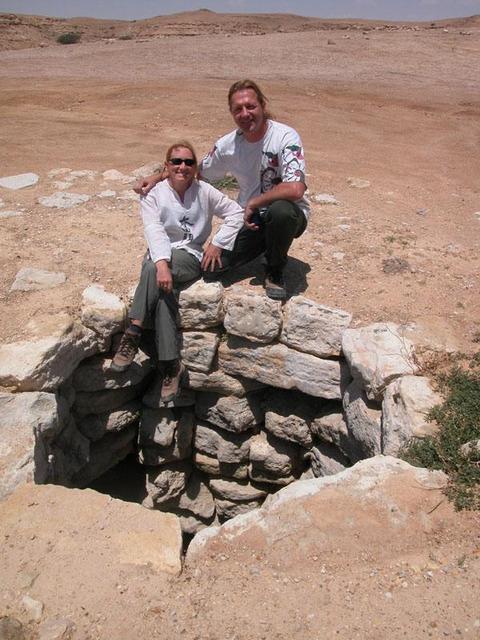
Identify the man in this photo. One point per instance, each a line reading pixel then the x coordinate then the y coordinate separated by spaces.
pixel 266 158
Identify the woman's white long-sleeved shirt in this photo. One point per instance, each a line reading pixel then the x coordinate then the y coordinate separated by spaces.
pixel 170 223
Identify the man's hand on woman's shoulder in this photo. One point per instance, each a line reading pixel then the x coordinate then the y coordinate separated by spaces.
pixel 143 185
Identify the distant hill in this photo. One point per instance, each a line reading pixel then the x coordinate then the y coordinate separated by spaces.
pixel 24 31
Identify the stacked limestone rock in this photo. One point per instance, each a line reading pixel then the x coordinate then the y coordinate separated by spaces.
pixel 275 392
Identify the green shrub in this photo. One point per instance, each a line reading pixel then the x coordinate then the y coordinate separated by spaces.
pixel 458 418
pixel 69 38
pixel 228 182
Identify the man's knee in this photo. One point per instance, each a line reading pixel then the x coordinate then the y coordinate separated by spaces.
pixel 282 212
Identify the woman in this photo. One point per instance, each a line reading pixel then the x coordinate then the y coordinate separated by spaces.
pixel 177 218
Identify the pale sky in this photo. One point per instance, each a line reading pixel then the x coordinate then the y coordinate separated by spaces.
pixel 137 9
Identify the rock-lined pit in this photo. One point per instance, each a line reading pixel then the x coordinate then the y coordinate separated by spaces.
pixel 274 393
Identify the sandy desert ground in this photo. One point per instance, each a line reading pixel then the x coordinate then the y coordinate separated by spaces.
pixel 398 107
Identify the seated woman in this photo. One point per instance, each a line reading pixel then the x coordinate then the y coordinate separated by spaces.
pixel 177 218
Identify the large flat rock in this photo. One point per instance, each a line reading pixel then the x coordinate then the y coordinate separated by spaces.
pixel 376 500
pixel 93 535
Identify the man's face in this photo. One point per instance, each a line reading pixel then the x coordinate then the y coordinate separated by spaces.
pixel 248 113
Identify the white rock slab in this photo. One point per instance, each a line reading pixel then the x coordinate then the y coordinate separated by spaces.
pixel 326 460
pixel 199 350
pixel 405 406
pixel 113 175
pixel 377 354
pixel 372 492
pixel 43 363
pixel 364 424
pixel 288 416
pixel 128 194
pixel 273 460
pixel 220 382
pixel 114 535
pixel 164 437
pixel 63 200
pixel 226 447
pixel 313 328
pixel 252 316
pixel 358 183
pixel 10 214
pixel 54 173
pixel 148 169
pixel 27 420
pixel 19 181
pixel 29 279
pixel 94 427
pixel 108 193
pixel 230 413
pixel 235 490
pixel 201 305
pixel 168 482
pixel 197 498
pixel 280 366
pixel 213 467
pixel 96 374
pixel 103 312
pixel 83 173
pixel 324 198
pixel 227 509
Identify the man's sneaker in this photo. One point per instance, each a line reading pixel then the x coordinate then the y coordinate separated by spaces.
pixel 172 377
pixel 275 285
pixel 126 352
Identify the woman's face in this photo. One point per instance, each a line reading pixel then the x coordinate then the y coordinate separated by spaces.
pixel 181 175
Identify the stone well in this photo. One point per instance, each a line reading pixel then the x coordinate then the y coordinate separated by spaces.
pixel 274 393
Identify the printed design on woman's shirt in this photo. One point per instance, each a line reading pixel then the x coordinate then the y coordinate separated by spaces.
pixel 186 225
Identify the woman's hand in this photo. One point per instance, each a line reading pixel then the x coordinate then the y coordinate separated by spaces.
pixel 212 258
pixel 164 276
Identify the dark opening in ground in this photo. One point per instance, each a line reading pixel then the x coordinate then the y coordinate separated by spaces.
pixel 125 481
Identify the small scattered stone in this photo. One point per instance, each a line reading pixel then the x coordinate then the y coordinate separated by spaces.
pixel 10 214
pixel 56 629
pixel 62 185
pixel 63 200
pixel 11 629
pixel 338 255
pixel 34 608
pixel 395 265
pixel 58 172
pixel 128 195
pixel 421 212
pixel 108 193
pixel 83 173
pixel 358 183
pixel 116 176
pixel 324 198
pixel 20 181
pixel 29 279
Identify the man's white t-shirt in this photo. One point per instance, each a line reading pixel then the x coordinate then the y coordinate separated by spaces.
pixel 170 223
pixel 258 166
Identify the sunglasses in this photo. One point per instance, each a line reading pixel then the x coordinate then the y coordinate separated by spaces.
pixel 189 162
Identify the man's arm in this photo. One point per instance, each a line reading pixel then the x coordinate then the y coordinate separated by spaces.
pixel 143 185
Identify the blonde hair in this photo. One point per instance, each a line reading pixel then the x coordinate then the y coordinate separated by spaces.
pixel 181 144
pixel 241 85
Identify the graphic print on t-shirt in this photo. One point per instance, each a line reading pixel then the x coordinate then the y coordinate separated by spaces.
pixel 187 228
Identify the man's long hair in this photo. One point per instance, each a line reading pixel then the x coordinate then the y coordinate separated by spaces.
pixel 241 85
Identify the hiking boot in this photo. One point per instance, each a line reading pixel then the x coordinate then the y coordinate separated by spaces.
pixel 172 377
pixel 275 285
pixel 126 352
